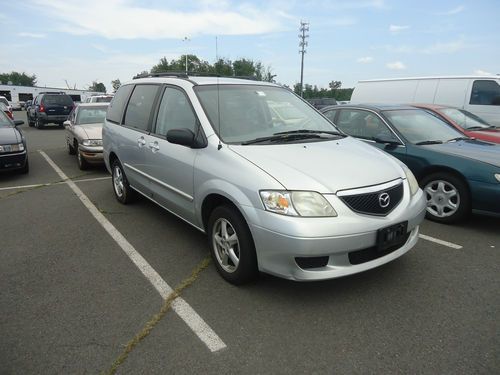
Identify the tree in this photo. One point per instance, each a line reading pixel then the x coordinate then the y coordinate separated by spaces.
pixel 17 79
pixel 334 85
pixel 115 84
pixel 97 86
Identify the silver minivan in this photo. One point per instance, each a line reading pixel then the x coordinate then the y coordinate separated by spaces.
pixel 297 199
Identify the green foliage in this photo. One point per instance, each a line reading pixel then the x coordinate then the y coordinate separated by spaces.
pixel 17 79
pixel 334 91
pixel 115 84
pixel 97 86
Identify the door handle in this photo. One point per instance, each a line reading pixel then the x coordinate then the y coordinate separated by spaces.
pixel 141 142
pixel 154 146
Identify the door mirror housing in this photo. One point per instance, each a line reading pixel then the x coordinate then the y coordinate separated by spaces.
pixel 67 123
pixel 185 137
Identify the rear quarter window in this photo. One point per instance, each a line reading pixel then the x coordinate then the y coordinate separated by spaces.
pixel 117 105
pixel 139 107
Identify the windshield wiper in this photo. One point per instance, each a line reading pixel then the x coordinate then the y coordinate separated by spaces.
pixel 458 139
pixel 307 131
pixel 436 142
pixel 281 138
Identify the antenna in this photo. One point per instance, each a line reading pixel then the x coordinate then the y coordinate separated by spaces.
pixel 218 96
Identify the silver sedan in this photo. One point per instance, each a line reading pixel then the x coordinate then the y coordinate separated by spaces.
pixel 84 133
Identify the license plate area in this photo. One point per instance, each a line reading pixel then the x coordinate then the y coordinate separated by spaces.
pixel 392 236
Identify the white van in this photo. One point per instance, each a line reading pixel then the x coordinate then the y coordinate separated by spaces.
pixel 477 94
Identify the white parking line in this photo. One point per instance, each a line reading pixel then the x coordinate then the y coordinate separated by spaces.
pixel 441 242
pixel 53 183
pixel 181 307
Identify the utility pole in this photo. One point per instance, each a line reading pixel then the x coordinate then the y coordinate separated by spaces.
pixel 186 39
pixel 304 27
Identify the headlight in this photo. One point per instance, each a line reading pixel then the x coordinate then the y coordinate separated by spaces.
pixel 92 142
pixel 297 203
pixel 12 148
pixel 497 176
pixel 412 181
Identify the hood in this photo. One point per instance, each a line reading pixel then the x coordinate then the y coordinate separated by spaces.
pixel 477 150
pixel 9 135
pixel 93 131
pixel 491 135
pixel 325 167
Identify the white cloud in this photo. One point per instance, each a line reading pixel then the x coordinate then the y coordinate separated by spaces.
pixel 118 19
pixel 398 28
pixel 32 35
pixel 365 60
pixel 480 72
pixel 450 12
pixel 449 47
pixel 396 65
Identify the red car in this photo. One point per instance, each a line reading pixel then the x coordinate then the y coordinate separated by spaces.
pixel 464 121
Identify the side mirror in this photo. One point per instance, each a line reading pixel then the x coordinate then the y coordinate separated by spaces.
pixel 67 123
pixel 18 122
pixel 185 137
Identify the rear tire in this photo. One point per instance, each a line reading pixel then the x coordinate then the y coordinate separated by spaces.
pixel 39 123
pixel 232 246
pixel 123 192
pixel 448 198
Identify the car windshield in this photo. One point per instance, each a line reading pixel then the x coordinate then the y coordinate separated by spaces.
pixel 418 125
pixel 249 112
pixel 57 99
pixel 465 119
pixel 4 120
pixel 91 115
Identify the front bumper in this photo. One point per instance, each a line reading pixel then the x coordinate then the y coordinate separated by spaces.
pixel 92 154
pixel 12 161
pixel 280 240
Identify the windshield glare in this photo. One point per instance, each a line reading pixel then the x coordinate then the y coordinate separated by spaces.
pixel 417 125
pixel 465 119
pixel 91 115
pixel 247 112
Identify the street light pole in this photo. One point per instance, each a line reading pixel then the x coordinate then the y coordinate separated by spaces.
pixel 186 39
pixel 304 27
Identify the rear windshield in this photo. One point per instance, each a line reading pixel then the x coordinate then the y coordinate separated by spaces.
pixel 57 99
pixel 106 99
pixel 4 101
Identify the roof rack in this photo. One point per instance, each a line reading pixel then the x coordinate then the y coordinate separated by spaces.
pixel 192 74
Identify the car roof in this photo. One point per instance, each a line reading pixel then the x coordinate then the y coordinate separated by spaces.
pixel 86 105
pixel 198 80
pixel 371 106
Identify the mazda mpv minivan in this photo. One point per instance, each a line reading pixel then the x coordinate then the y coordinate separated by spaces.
pixel 299 200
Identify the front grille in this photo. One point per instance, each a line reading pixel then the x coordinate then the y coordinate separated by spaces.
pixel 371 253
pixel 370 204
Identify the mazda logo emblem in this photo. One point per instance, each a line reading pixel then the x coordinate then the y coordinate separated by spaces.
pixel 384 199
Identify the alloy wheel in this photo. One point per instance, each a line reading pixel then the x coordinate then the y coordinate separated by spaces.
pixel 226 245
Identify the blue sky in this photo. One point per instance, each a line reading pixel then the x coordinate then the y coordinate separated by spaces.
pixel 83 41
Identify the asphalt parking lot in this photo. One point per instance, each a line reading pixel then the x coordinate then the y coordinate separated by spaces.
pixel 79 283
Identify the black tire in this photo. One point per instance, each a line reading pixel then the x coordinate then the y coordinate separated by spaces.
pixel 243 250
pixel 123 192
pixel 26 167
pixel 448 197
pixel 82 163
pixel 30 121
pixel 71 148
pixel 39 123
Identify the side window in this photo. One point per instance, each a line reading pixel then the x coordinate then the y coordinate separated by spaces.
pixel 485 92
pixel 362 124
pixel 330 115
pixel 139 106
pixel 175 112
pixel 115 109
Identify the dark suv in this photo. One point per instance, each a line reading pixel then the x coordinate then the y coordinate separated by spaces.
pixel 49 107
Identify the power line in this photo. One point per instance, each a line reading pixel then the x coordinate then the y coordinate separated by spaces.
pixel 304 27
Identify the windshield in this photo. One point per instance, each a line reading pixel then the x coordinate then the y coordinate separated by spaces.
pixel 248 112
pixel 465 119
pixel 4 120
pixel 418 125
pixel 57 99
pixel 91 115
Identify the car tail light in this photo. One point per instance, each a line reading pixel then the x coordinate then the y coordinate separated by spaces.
pixel 42 108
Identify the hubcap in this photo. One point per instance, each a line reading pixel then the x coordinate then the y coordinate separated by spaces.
pixel 226 245
pixel 118 181
pixel 443 198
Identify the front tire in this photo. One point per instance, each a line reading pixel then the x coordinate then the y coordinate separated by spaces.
pixel 123 192
pixel 448 198
pixel 26 167
pixel 82 163
pixel 232 246
pixel 71 148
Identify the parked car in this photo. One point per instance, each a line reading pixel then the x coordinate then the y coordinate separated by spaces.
pixel 477 94
pixel 464 121
pixel 27 106
pixel 457 174
pixel 319 103
pixel 6 110
pixel 301 201
pixel 99 99
pixel 84 133
pixel 13 150
pixel 4 100
pixel 49 107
